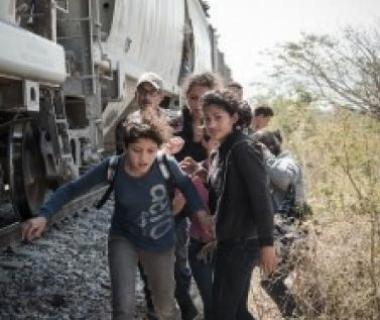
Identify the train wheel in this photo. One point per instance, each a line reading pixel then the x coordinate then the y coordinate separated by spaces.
pixel 27 177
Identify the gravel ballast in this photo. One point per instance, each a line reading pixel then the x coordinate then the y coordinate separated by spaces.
pixel 63 275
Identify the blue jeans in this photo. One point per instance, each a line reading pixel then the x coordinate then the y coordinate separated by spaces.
pixel 203 276
pixel 235 260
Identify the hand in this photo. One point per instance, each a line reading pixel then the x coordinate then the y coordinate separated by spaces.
pixel 174 145
pixel 268 259
pixel 207 223
pixel 201 173
pixel 33 228
pixel 267 154
pixel 207 252
pixel 189 165
pixel 148 111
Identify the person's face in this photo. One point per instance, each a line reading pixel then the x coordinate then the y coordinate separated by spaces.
pixel 147 96
pixel 193 99
pixel 237 92
pixel 219 123
pixel 141 155
pixel 260 122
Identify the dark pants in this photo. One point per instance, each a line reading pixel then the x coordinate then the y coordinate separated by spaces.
pixel 203 276
pixel 277 290
pixel 235 260
pixel 182 274
pixel 182 271
pixel 285 235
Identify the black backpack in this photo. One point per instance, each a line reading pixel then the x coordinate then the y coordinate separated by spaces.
pixel 111 176
pixel 289 210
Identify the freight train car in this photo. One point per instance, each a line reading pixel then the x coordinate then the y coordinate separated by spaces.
pixel 68 71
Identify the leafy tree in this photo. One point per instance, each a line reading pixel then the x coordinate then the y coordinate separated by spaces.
pixel 344 70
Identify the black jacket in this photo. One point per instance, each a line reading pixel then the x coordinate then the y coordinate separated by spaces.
pixel 190 148
pixel 239 193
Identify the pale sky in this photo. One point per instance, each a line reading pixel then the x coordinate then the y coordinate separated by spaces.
pixel 248 27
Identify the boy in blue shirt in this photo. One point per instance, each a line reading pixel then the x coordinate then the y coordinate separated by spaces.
pixel 142 227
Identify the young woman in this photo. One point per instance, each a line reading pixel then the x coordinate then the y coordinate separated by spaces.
pixel 192 133
pixel 192 114
pixel 142 226
pixel 241 204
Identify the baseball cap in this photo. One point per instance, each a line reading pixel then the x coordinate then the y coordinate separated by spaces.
pixel 152 78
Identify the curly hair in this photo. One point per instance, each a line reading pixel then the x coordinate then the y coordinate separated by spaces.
pixel 224 99
pixel 206 79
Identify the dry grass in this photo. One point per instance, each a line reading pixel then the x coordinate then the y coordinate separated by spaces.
pixel 260 303
pixel 334 271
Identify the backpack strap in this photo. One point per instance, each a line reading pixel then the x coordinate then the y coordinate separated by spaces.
pixel 162 161
pixel 164 166
pixel 111 176
pixel 112 166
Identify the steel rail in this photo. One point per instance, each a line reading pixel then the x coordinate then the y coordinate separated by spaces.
pixel 11 234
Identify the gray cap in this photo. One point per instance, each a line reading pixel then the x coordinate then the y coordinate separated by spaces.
pixel 152 78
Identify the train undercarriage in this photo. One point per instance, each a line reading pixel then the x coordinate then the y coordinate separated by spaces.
pixel 24 178
pixel 33 161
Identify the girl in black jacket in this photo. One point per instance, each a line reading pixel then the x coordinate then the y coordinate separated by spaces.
pixel 240 200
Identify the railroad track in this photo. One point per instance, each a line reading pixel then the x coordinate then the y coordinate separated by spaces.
pixel 11 234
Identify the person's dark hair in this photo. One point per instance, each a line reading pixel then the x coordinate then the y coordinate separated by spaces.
pixel 270 139
pixel 137 130
pixel 235 84
pixel 264 110
pixel 223 99
pixel 245 115
pixel 278 135
pixel 206 79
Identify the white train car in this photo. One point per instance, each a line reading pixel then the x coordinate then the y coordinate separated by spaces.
pixel 171 38
pixel 68 71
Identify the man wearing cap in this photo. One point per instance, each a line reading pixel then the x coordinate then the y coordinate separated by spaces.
pixel 149 93
pixel 148 97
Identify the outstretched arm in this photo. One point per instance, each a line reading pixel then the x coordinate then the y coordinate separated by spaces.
pixel 34 227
